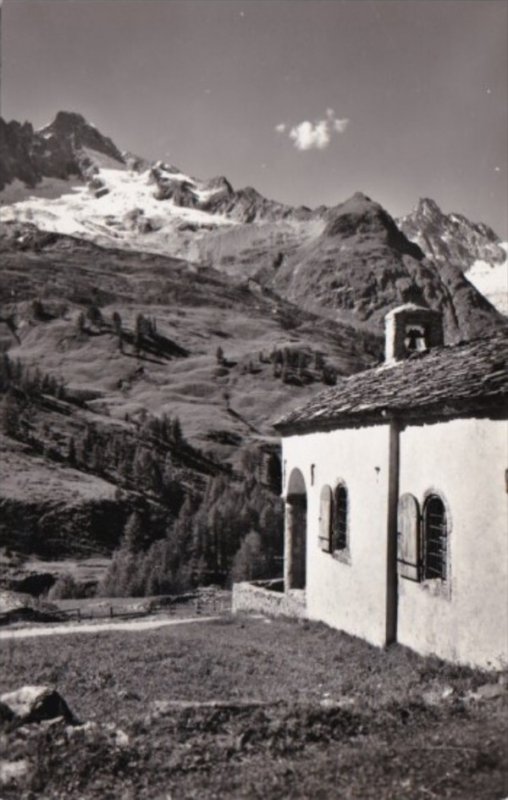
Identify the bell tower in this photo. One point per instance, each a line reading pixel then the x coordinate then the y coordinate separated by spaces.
pixel 411 329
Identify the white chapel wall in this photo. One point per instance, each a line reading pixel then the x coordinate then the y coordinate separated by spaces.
pixel 350 596
pixel 466 620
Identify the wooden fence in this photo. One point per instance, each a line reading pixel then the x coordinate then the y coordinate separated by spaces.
pixel 179 605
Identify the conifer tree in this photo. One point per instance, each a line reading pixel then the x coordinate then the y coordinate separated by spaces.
pixel 9 415
pixel 117 323
pixel 80 322
pixel 117 327
pixel 250 562
pixel 94 314
pixel 176 431
pixel 38 309
pixel 133 533
pixel 71 452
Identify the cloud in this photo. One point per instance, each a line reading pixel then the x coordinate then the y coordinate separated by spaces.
pixel 340 125
pixel 307 136
pixel 315 135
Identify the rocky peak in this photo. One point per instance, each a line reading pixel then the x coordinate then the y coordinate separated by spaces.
pixel 65 123
pixel 428 208
pixel 220 183
pixel 72 130
pixel 58 150
pixel 359 216
pixel 451 238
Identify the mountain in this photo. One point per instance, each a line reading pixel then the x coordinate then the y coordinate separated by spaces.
pixel 138 301
pixel 58 150
pixel 351 261
pixel 472 247
pixel 69 178
pixel 362 263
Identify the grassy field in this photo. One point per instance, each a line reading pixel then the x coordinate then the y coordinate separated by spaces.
pixel 300 711
pixel 197 308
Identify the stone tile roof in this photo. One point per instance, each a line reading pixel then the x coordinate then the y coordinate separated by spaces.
pixel 467 379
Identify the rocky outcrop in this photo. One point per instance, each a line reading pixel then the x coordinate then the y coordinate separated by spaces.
pixel 249 206
pixel 22 607
pixel 35 704
pixel 16 142
pixel 59 150
pixel 217 196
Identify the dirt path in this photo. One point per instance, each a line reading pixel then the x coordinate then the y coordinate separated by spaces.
pixel 98 627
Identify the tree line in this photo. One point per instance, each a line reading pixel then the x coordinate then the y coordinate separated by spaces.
pixel 195 530
pixel 234 531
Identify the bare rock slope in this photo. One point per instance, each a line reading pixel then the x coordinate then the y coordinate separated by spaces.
pixel 472 247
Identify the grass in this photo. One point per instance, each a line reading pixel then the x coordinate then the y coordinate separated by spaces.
pixel 31 478
pixel 223 408
pixel 199 310
pixel 338 718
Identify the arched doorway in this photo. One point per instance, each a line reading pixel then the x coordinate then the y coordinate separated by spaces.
pixel 295 533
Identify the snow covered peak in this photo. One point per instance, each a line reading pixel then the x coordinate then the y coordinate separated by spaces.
pixel 473 247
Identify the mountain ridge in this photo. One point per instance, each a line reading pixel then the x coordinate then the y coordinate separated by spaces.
pixel 352 260
pixel 142 294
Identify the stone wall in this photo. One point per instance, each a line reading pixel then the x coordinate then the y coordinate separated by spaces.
pixel 262 597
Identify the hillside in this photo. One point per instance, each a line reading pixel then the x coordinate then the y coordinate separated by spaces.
pixel 127 338
pixel 197 310
pixel 156 324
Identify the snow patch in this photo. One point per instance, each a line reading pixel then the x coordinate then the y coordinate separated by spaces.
pixel 72 208
pixel 492 280
pixel 48 188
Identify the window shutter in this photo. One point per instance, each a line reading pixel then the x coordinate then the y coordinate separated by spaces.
pixel 325 518
pixel 408 537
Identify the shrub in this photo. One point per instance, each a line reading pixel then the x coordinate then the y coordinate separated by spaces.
pixel 65 588
pixel 250 563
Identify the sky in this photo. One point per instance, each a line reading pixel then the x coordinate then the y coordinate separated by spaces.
pixel 306 100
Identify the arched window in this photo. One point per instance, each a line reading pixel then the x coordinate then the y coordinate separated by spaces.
pixel 435 538
pixel 295 532
pixel 340 518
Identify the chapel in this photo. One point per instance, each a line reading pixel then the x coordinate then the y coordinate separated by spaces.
pixel 395 485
